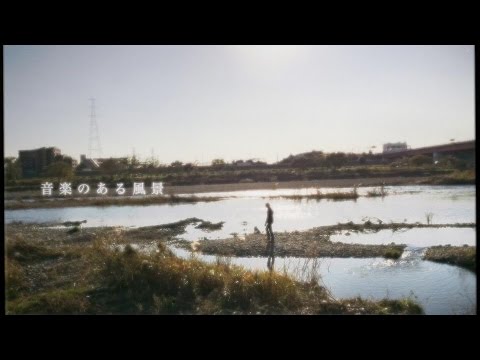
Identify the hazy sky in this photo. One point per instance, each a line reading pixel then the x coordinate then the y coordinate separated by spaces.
pixel 197 103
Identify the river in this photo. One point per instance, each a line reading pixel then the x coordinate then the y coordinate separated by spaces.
pixel 440 288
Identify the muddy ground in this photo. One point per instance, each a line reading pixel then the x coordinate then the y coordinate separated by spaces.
pixel 314 242
pixel 311 243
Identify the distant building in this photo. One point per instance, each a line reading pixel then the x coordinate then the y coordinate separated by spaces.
pixel 119 160
pixel 394 147
pixel 34 162
pixel 87 164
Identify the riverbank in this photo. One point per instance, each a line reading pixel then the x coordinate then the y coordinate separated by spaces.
pixel 51 272
pixel 306 244
pixel 464 256
pixel 196 175
pixel 46 203
pixel 313 243
pixel 30 199
pixel 310 243
pixel 209 188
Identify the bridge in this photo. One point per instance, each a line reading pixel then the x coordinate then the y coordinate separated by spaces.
pixel 464 148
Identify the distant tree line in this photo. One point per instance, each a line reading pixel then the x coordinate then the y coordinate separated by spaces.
pixel 331 160
pixel 62 167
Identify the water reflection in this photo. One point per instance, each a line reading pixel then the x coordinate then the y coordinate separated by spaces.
pixel 271 255
pixel 290 215
pixel 271 262
pixel 439 288
pixel 421 237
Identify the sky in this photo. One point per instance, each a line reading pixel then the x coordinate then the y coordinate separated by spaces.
pixel 198 103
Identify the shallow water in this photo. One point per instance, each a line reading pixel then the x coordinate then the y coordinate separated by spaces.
pixel 441 289
pixel 247 210
pixel 420 237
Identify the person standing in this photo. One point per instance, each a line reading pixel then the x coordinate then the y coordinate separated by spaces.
pixel 269 222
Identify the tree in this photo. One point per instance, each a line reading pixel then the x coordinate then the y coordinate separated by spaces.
pixel 336 159
pixel 420 160
pixel 188 166
pixel 176 164
pixel 60 170
pixel 65 158
pixel 218 162
pixel 133 162
pixel 12 168
pixel 453 162
pixel 111 166
pixel 151 163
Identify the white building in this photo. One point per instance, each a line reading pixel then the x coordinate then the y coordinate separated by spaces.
pixel 395 147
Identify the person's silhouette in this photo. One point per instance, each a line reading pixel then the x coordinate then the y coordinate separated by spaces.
pixel 269 222
pixel 270 263
pixel 271 256
pixel 270 238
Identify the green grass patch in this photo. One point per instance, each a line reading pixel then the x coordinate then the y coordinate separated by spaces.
pixel 393 253
pixel 466 177
pixel 70 301
pixel 26 252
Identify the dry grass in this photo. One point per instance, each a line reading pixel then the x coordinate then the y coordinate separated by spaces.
pixel 111 201
pixel 464 256
pixel 466 177
pixel 380 192
pixel 309 244
pixel 99 278
pixel 335 196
